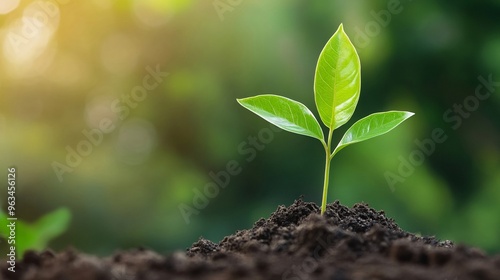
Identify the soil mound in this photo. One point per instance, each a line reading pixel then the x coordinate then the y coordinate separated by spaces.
pixel 294 243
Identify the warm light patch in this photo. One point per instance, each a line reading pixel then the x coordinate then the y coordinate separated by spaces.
pixel 28 37
pixel 7 6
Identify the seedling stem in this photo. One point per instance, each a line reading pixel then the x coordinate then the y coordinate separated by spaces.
pixel 328 160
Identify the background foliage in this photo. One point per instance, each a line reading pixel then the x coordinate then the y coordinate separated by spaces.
pixel 418 56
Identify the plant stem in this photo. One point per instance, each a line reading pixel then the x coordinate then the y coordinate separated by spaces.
pixel 328 159
pixel 325 185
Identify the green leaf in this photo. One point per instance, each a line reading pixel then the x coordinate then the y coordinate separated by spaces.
pixel 285 113
pixel 371 126
pixel 36 236
pixel 337 81
pixel 26 238
pixel 52 225
pixel 4 230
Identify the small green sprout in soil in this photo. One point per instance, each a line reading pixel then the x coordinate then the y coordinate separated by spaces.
pixel 337 84
pixel 34 236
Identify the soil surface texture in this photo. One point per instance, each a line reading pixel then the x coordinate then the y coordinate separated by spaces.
pixel 294 243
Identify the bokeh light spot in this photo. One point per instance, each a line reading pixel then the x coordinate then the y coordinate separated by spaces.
pixel 136 140
pixel 27 38
pixel 7 6
pixel 99 110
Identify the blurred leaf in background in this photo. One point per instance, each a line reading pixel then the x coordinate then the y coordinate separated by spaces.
pixel 35 236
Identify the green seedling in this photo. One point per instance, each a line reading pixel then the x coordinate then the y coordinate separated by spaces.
pixel 337 84
pixel 34 236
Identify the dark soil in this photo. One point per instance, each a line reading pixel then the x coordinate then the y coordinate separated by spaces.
pixel 294 243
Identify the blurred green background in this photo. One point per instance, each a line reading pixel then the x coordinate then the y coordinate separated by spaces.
pixel 67 65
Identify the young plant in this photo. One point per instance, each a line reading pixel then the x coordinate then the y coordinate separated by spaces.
pixel 35 236
pixel 337 84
